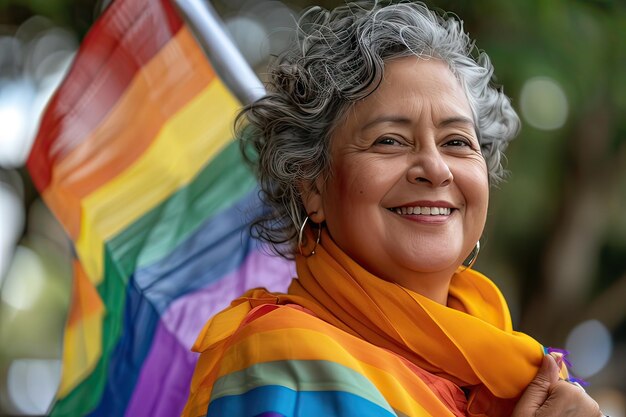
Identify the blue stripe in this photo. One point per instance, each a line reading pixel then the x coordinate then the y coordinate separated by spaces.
pixel 218 247
pixel 302 375
pixel 290 403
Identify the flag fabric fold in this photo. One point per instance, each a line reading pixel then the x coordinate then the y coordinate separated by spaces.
pixel 136 158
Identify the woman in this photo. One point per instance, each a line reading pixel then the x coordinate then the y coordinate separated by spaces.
pixel 377 143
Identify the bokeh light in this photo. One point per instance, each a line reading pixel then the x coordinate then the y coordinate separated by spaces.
pixel 17 132
pixel 11 207
pixel 543 103
pixel 10 57
pixel 42 223
pixel 47 51
pixel 250 37
pixel 32 384
pixel 33 308
pixel 260 28
pixel 277 19
pixel 590 346
pixel 24 280
pixel 39 55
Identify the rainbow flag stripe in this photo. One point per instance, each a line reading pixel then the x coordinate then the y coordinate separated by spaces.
pixel 135 157
pixel 282 361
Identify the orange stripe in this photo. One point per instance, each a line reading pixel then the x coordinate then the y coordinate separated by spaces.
pixel 160 89
pixel 85 298
pixel 126 38
pixel 82 340
pixel 302 331
pixel 290 334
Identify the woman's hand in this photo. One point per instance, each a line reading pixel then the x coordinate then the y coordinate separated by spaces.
pixel 548 396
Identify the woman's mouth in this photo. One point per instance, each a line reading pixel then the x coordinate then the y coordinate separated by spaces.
pixel 428 211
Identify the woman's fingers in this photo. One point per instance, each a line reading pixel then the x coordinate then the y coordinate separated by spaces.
pixel 567 399
pixel 549 396
pixel 538 390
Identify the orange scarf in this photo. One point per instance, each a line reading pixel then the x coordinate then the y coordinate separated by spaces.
pixel 470 341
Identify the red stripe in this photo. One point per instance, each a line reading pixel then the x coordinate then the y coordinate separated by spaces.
pixel 125 38
pixel 177 74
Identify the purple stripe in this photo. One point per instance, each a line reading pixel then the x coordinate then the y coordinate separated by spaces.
pixel 186 316
pixel 166 372
pixel 163 385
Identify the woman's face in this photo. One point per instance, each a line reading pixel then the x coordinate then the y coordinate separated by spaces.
pixel 408 189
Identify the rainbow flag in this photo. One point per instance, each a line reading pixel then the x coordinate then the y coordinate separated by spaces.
pixel 135 156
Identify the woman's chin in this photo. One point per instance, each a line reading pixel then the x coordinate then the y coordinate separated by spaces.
pixel 422 266
pixel 431 260
pixel 435 267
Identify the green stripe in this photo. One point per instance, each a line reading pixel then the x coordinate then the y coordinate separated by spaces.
pixel 300 375
pixel 86 396
pixel 224 180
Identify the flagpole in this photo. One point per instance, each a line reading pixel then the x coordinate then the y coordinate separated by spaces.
pixel 225 58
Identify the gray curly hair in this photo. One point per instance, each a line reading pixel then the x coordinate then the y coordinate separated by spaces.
pixel 338 58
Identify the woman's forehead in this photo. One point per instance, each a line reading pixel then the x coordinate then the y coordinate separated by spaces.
pixel 411 86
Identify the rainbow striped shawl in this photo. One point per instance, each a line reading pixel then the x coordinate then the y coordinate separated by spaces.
pixel 135 157
pixel 284 361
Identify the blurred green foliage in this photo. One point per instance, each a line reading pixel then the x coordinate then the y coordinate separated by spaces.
pixel 75 14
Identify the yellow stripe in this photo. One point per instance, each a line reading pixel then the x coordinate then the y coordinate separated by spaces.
pixel 305 344
pixel 186 142
pixel 82 348
pixel 158 90
pixel 82 343
pixel 287 333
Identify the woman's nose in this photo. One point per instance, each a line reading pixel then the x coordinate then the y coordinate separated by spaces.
pixel 428 166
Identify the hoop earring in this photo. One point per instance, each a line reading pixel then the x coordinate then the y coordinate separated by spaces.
pixel 471 259
pixel 301 233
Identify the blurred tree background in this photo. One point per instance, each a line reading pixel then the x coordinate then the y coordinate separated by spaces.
pixel 556 234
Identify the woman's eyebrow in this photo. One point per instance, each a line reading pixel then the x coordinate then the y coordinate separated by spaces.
pixel 457 120
pixel 387 119
pixel 407 121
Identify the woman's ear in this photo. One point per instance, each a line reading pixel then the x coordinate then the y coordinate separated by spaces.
pixel 312 194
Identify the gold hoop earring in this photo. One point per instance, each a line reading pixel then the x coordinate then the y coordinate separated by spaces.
pixel 471 259
pixel 300 235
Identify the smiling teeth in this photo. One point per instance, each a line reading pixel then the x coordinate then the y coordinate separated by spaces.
pixel 432 211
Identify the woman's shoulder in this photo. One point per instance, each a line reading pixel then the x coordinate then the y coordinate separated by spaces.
pixel 276 359
pixel 284 359
pixel 253 315
pixel 271 333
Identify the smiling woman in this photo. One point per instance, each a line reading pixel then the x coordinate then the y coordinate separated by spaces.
pixel 406 161
pixel 375 147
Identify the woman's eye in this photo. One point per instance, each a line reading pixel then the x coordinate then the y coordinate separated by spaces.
pixel 457 142
pixel 388 141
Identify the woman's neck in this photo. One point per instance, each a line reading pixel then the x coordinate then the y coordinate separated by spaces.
pixel 433 285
